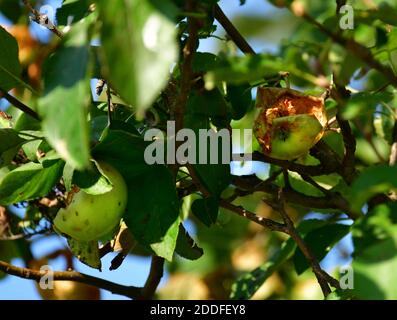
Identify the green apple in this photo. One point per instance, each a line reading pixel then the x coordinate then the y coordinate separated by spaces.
pixel 290 136
pixel 289 122
pixel 94 217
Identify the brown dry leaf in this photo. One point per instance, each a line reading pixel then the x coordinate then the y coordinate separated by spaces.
pixel 124 241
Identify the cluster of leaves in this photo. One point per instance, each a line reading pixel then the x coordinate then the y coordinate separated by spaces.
pixel 140 55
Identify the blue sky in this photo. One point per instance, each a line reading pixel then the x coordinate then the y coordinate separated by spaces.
pixel 135 269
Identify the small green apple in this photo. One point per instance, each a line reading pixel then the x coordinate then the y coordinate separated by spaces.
pixel 293 136
pixel 94 217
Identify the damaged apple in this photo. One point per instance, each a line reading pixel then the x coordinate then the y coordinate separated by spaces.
pixel 289 122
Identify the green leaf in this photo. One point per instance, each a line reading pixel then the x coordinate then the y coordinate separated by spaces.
pixel 374 270
pixel 11 249
pixel 375 226
pixel 384 124
pixel 143 42
pixel 365 151
pixel 298 183
pixel 86 252
pixel 125 151
pixel 11 9
pixel 9 146
pixel 346 67
pixel 166 246
pixel 168 8
pixel 67 176
pixel 92 181
pixel 387 13
pixel 215 177
pixel 240 99
pixel 364 102
pixel 10 68
pixel 371 181
pixel 320 241
pixel 26 122
pixel 240 70
pixel 98 126
pixel 186 247
pixel 204 61
pixel 210 103
pixel 28 182
pixel 5 170
pixel 67 97
pixel 72 11
pixel 153 208
pixel 206 210
pixel 30 149
pixel 8 250
pixel 50 159
pixel 124 126
pixel 335 141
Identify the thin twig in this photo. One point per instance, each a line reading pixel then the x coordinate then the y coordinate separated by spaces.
pixel 341 95
pixel 315 184
pixel 186 69
pixel 186 74
pixel 42 19
pixel 316 170
pixel 331 201
pixel 25 235
pixel 393 152
pixel 197 181
pixel 265 222
pixel 153 280
pixel 26 273
pixel 287 183
pixel 381 88
pixel 109 102
pixel 19 105
pixel 349 142
pixel 231 30
pixel 323 278
pixel 241 193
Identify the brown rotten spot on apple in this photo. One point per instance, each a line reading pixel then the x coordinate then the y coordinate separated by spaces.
pixel 289 122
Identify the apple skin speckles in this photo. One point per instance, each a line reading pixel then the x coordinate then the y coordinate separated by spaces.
pixel 94 217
